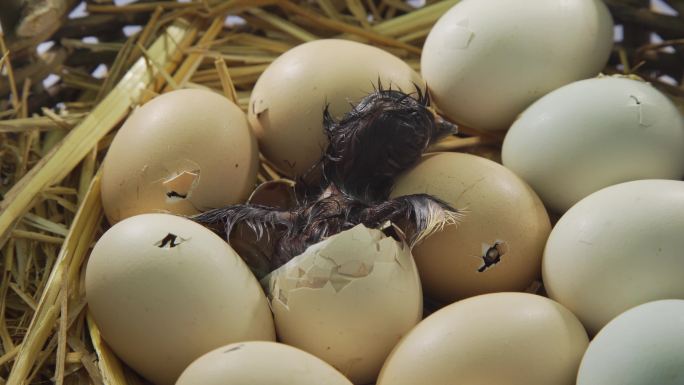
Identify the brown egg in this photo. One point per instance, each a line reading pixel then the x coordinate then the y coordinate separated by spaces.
pixel 183 152
pixel 286 106
pixel 499 243
pixel 492 339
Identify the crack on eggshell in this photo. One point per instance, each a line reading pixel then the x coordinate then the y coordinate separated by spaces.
pixel 461 35
pixel 336 262
pixel 170 241
pixel 645 112
pixel 491 254
pixel 181 185
pixel 235 348
pixel 261 109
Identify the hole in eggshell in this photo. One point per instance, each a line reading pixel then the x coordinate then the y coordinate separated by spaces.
pixel 181 185
pixel 170 241
pixel 173 194
pixel 492 255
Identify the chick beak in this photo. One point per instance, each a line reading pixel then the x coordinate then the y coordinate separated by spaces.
pixel 445 127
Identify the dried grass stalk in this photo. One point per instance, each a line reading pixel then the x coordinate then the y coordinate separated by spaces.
pixel 56 165
pixel 45 331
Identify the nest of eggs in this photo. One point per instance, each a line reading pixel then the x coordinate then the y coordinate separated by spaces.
pixel 72 72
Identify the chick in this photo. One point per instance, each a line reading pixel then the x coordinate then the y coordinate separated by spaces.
pixel 382 136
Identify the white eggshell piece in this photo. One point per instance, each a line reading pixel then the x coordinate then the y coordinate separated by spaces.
pixel 593 134
pixel 485 61
pixel 348 300
pixel 260 363
pixel 617 248
pixel 642 346
pixel 165 290
pixel 500 338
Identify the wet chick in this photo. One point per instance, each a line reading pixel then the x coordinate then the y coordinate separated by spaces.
pixel 383 136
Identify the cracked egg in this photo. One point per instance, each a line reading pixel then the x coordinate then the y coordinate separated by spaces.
pixel 498 243
pixel 347 300
pixel 164 290
pixel 182 152
pixel 287 103
pixel 593 134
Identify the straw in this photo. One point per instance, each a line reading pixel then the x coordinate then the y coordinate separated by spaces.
pixel 53 138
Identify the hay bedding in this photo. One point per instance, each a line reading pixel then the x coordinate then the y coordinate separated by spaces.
pixel 54 133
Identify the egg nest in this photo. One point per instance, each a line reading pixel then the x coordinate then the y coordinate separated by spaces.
pixel 68 84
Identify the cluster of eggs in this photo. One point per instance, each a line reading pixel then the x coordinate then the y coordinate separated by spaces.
pixel 179 305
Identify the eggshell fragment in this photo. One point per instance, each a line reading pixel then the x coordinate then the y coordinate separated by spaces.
pixel 260 363
pixel 257 251
pixel 593 134
pixel 486 60
pixel 642 346
pixel 498 244
pixel 287 103
pixel 165 290
pixel 501 338
pixel 182 152
pixel 348 300
pixel 617 248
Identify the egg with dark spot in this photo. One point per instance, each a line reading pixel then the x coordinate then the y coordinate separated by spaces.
pixel 164 290
pixel 174 154
pixel 498 244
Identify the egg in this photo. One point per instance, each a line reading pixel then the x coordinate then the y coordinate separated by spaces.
pixel 287 103
pixel 182 152
pixel 501 338
pixel 486 60
pixel 592 134
pixel 260 363
pixel 616 249
pixel 642 346
pixel 165 290
pixel 498 244
pixel 348 300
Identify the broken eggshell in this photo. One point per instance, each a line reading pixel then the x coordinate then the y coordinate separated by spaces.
pixel 498 243
pixel 287 103
pixel 275 193
pixel 164 290
pixel 260 363
pixel 347 300
pixel 182 152
pixel 593 134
